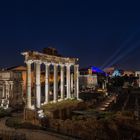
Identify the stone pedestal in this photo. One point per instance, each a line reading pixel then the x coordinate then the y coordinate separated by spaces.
pixel 31 116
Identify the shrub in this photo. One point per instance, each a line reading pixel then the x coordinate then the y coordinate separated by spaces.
pixel 17 123
pixel 4 113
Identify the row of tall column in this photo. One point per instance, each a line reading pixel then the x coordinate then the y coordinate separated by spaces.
pixel 69 82
pixel 6 93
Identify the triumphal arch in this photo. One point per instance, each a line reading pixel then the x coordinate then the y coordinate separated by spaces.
pixel 67 85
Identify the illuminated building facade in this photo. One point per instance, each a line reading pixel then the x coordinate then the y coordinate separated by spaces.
pixel 87 81
pixel 128 73
pixel 22 70
pixel 10 88
pixel 109 70
pixel 89 77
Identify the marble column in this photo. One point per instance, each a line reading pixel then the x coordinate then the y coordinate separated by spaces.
pixel 38 87
pixel 139 79
pixel 3 90
pixel 11 89
pixel 62 81
pixel 7 90
pixel 21 88
pixel 68 81
pixel 72 84
pixel 55 86
pixel 47 65
pixel 103 85
pixel 28 78
pixel 76 81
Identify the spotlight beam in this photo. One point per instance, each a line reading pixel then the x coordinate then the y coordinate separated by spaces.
pixel 126 53
pixel 118 50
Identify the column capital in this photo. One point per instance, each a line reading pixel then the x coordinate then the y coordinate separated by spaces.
pixel 55 64
pixel 62 65
pixel 37 61
pixel 6 82
pixel 29 62
pixel 68 64
pixel 11 82
pixel 47 63
pixel 77 65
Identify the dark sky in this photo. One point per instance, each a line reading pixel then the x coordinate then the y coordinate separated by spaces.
pixel 88 29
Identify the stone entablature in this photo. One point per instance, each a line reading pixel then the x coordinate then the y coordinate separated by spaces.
pixel 9 75
pixel 33 55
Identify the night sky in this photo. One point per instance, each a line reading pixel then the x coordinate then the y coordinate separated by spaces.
pixel 90 30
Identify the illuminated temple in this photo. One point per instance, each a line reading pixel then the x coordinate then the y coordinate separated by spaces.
pixel 64 87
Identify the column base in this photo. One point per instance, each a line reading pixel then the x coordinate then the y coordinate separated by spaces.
pixel 54 101
pixel 31 107
pixel 69 98
pixel 45 103
pixel 31 116
pixel 66 98
pixel 79 99
pixel 59 100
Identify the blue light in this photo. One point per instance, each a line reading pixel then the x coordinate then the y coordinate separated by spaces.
pixel 95 69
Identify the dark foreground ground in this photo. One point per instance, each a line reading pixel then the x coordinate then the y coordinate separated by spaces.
pixel 120 120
